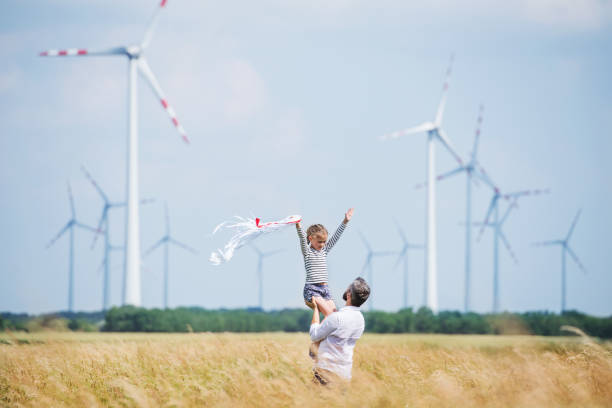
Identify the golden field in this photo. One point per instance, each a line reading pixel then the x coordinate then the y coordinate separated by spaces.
pixel 273 369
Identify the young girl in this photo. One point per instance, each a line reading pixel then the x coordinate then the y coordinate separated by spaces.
pixel 315 248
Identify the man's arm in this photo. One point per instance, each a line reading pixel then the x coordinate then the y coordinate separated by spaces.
pixel 332 241
pixel 303 243
pixel 321 331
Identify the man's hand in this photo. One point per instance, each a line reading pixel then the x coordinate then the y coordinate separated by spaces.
pixel 315 310
pixel 348 215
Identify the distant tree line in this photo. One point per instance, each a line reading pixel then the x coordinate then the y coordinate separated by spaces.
pixel 186 319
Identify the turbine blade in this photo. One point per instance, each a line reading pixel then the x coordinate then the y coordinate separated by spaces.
pixel 486 220
pixel 145 70
pixel 94 183
pixel 99 229
pixel 366 264
pixel 71 198
pixel 365 242
pixel 152 25
pixel 575 258
pixel 87 227
pixel 447 144
pixel 482 174
pixel 185 247
pixel 59 234
pixel 507 245
pixel 154 246
pixel 423 127
pixel 512 205
pixel 81 52
pixel 400 257
pixel 477 133
pixel 440 111
pixel 442 176
pixel 400 231
pixel 571 230
pixel 547 243
pixel 524 193
pixel 167 218
pixel 451 173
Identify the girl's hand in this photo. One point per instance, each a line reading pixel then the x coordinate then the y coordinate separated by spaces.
pixel 348 215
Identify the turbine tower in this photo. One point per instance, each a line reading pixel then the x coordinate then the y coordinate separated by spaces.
pixel 565 249
pixel 473 172
pixel 166 240
pixel 136 63
pixel 434 133
pixel 498 234
pixel 104 225
pixel 367 265
pixel 70 225
pixel 260 257
pixel 403 257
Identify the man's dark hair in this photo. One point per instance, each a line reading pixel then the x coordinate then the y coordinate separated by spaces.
pixel 359 290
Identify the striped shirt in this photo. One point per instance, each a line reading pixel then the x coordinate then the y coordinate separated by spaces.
pixel 316 261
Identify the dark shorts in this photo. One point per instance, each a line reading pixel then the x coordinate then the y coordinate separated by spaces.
pixel 311 290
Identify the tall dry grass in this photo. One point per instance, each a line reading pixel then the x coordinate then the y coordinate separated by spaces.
pixel 253 370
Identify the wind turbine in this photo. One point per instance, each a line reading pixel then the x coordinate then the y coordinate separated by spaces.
pixel 367 265
pixel 403 257
pixel 167 240
pixel 136 63
pixel 103 225
pixel 498 234
pixel 434 132
pixel 565 249
pixel 260 257
pixel 473 171
pixel 70 225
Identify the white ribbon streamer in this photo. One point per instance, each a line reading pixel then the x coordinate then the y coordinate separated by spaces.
pixel 247 229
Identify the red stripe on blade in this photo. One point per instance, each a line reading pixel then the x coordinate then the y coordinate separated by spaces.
pixel 164 103
pixel 163 3
pixel 62 52
pixel 175 121
pixel 44 53
pixel 82 52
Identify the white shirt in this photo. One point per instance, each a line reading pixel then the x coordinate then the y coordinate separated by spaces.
pixel 339 332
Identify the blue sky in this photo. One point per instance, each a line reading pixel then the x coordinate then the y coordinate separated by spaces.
pixel 283 104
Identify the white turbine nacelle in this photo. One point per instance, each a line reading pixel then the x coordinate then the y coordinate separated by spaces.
pixel 133 51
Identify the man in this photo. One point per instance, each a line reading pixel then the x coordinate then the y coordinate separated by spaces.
pixel 338 334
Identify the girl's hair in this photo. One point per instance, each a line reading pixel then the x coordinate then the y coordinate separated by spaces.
pixel 316 229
